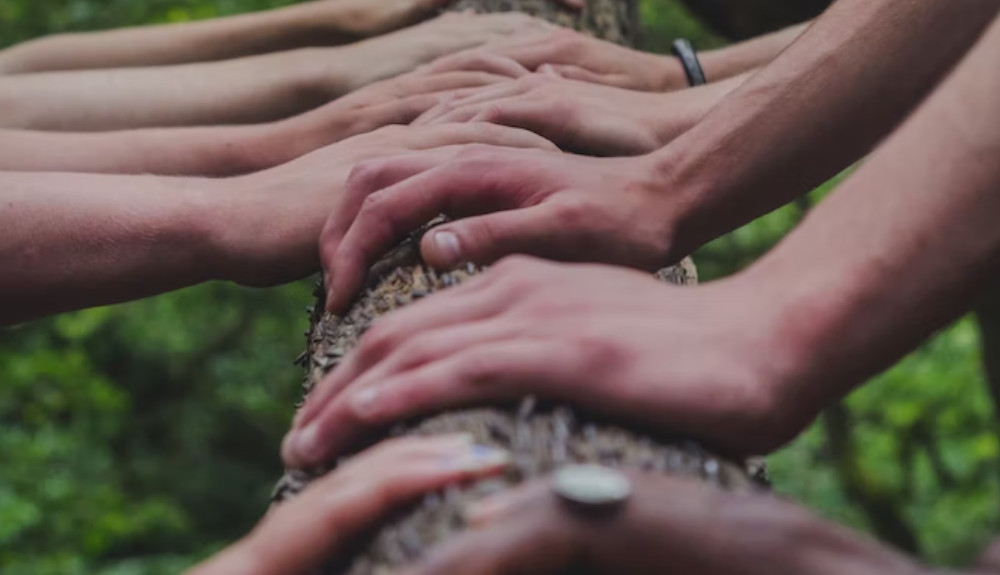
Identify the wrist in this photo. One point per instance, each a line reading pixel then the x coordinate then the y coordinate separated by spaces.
pixel 667 73
pixel 824 326
pixel 265 229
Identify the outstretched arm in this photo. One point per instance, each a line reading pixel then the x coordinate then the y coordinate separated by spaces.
pixel 821 105
pixel 745 363
pixel 245 90
pixel 69 241
pixel 232 150
pixel 315 23
pixel 577 56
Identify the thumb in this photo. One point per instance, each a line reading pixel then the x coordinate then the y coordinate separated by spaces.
pixel 488 238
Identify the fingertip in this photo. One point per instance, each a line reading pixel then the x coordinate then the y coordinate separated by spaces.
pixel 442 249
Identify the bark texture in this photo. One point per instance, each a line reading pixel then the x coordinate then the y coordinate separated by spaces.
pixel 742 19
pixel 540 436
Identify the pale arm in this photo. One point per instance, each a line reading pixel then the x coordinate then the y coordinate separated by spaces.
pixel 232 150
pixel 315 23
pixel 72 240
pixel 69 241
pixel 240 91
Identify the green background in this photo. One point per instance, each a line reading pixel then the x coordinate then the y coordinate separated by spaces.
pixel 139 438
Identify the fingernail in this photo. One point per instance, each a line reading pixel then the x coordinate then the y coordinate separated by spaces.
pixel 479 458
pixel 305 445
pixel 448 247
pixel 363 402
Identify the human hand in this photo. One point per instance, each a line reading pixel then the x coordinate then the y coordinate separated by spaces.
pixel 577 116
pixel 267 223
pixel 551 204
pixel 669 525
pixel 404 50
pixel 300 535
pixel 398 100
pixel 713 362
pixel 577 56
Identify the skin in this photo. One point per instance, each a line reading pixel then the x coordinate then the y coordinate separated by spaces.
pixel 744 363
pixel 577 56
pixel 668 525
pixel 240 91
pixel 316 23
pixel 235 150
pixel 116 238
pixel 821 105
pixel 582 117
pixel 298 536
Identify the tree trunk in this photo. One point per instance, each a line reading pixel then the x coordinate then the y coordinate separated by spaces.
pixel 741 19
pixel 540 436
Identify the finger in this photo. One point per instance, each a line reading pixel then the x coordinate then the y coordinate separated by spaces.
pixel 497 371
pixel 435 83
pixel 445 113
pixel 541 541
pixel 299 535
pixel 321 438
pixel 573 72
pixel 371 176
pixel 468 302
pixel 480 61
pixel 387 215
pixel 495 92
pixel 536 230
pixel 464 101
pixel 441 136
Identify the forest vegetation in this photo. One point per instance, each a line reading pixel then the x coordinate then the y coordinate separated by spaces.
pixel 136 439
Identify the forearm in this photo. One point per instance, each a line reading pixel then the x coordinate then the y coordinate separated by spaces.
pixel 213 151
pixel 903 247
pixel 248 90
pixel 740 58
pixel 69 241
pixel 677 112
pixel 850 78
pixel 316 23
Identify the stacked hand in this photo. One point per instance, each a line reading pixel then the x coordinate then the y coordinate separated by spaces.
pixel 576 56
pixel 613 340
pixel 398 100
pixel 267 223
pixel 578 116
pixel 550 204
pixel 402 51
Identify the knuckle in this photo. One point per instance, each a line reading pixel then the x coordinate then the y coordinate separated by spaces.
pixel 478 368
pixel 363 175
pixel 373 206
pixel 574 213
pixel 379 340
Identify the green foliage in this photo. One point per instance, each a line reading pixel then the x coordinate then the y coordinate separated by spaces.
pixel 136 439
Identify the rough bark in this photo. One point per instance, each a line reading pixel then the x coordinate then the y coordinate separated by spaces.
pixel 540 436
pixel 741 19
